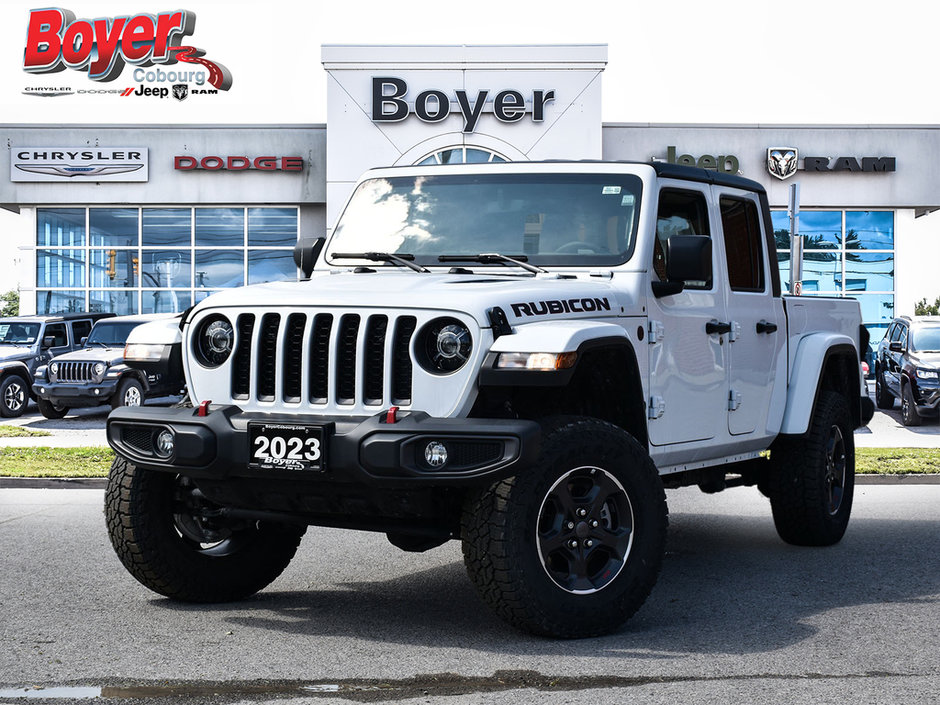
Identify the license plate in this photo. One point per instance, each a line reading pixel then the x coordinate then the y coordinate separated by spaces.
pixel 274 446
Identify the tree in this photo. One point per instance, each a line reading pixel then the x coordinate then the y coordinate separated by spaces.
pixel 922 308
pixel 11 303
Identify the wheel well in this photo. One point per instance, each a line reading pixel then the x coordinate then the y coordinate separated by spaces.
pixel 605 385
pixel 840 374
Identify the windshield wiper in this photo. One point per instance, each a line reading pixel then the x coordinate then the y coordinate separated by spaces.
pixel 490 257
pixel 404 260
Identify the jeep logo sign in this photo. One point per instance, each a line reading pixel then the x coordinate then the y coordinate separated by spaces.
pixel 389 104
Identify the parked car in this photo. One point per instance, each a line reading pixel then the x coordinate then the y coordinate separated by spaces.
pixel 27 342
pixel 908 367
pixel 97 373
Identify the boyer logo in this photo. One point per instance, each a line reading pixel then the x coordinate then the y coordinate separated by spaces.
pixel 55 40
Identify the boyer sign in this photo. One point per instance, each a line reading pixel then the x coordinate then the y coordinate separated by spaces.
pixel 56 41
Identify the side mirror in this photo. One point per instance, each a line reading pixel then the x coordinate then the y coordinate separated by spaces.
pixel 688 258
pixel 48 341
pixel 306 252
pixel 895 346
pixel 82 341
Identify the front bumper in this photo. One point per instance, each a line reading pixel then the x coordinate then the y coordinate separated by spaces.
pixel 74 395
pixel 927 399
pixel 361 451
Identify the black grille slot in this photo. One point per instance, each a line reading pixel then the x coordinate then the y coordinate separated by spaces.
pixel 374 389
pixel 401 360
pixel 140 439
pixel 75 371
pixel 320 358
pixel 241 357
pixel 346 359
pixel 267 356
pixel 475 454
pixel 293 356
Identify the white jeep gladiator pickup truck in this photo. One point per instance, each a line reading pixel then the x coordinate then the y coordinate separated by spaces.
pixel 519 356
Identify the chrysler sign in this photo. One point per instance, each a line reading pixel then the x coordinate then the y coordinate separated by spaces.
pixel 76 164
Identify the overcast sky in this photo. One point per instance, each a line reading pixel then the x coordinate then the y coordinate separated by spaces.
pixel 705 62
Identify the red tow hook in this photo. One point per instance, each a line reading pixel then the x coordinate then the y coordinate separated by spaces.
pixel 391 416
pixel 203 409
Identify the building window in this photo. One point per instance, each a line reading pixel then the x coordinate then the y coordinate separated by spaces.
pixel 462 155
pixel 157 260
pixel 845 253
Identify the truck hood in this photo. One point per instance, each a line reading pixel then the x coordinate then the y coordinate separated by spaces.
pixel 110 356
pixel 524 299
pixel 9 353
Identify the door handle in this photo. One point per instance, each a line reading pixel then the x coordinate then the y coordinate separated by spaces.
pixel 718 327
pixel 766 327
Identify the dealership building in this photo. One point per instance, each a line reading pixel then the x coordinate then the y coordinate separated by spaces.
pixel 152 218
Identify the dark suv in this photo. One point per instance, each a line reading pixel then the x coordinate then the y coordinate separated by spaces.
pixel 908 367
pixel 26 342
pixel 97 374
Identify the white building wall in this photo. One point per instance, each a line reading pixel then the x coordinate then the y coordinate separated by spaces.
pixel 570 129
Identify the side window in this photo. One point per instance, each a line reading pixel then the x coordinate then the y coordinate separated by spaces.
pixel 889 334
pixel 739 220
pixel 680 213
pixel 903 337
pixel 896 333
pixel 58 332
pixel 80 329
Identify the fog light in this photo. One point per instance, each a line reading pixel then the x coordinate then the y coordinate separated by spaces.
pixel 166 443
pixel 435 453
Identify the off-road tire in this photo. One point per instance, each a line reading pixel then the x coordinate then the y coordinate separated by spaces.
pixel 503 539
pixel 50 410
pixel 14 396
pixel 909 415
pixel 884 399
pixel 812 477
pixel 139 508
pixel 128 391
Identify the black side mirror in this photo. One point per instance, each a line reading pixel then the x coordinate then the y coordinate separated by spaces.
pixel 48 341
pixel 688 258
pixel 895 346
pixel 306 252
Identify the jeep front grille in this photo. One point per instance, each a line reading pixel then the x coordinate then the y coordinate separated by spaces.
pixel 75 372
pixel 316 359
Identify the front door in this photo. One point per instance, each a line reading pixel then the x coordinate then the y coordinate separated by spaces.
pixel 688 364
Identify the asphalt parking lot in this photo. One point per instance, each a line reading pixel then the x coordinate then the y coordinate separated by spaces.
pixel 737 616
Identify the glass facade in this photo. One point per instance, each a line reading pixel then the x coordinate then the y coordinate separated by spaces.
pixel 845 253
pixel 156 260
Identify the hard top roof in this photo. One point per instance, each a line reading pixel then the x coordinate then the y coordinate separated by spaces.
pixel 662 169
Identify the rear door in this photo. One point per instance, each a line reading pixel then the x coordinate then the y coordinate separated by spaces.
pixel 758 327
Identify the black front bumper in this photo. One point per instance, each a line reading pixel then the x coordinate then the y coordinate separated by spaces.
pixel 368 451
pixel 76 394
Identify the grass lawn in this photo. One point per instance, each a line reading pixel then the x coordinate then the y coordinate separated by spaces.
pixel 55 462
pixel 897 461
pixel 95 462
pixel 7 431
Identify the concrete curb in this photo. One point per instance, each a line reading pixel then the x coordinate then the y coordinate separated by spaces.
pixel 99 483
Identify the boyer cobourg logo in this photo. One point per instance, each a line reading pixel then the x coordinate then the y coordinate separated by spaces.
pixel 102 47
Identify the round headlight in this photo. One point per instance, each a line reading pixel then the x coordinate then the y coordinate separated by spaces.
pixel 444 345
pixel 54 368
pixel 213 341
pixel 100 368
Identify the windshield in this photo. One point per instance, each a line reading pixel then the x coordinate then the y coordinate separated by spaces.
pixel 551 219
pixel 110 334
pixel 925 339
pixel 18 333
